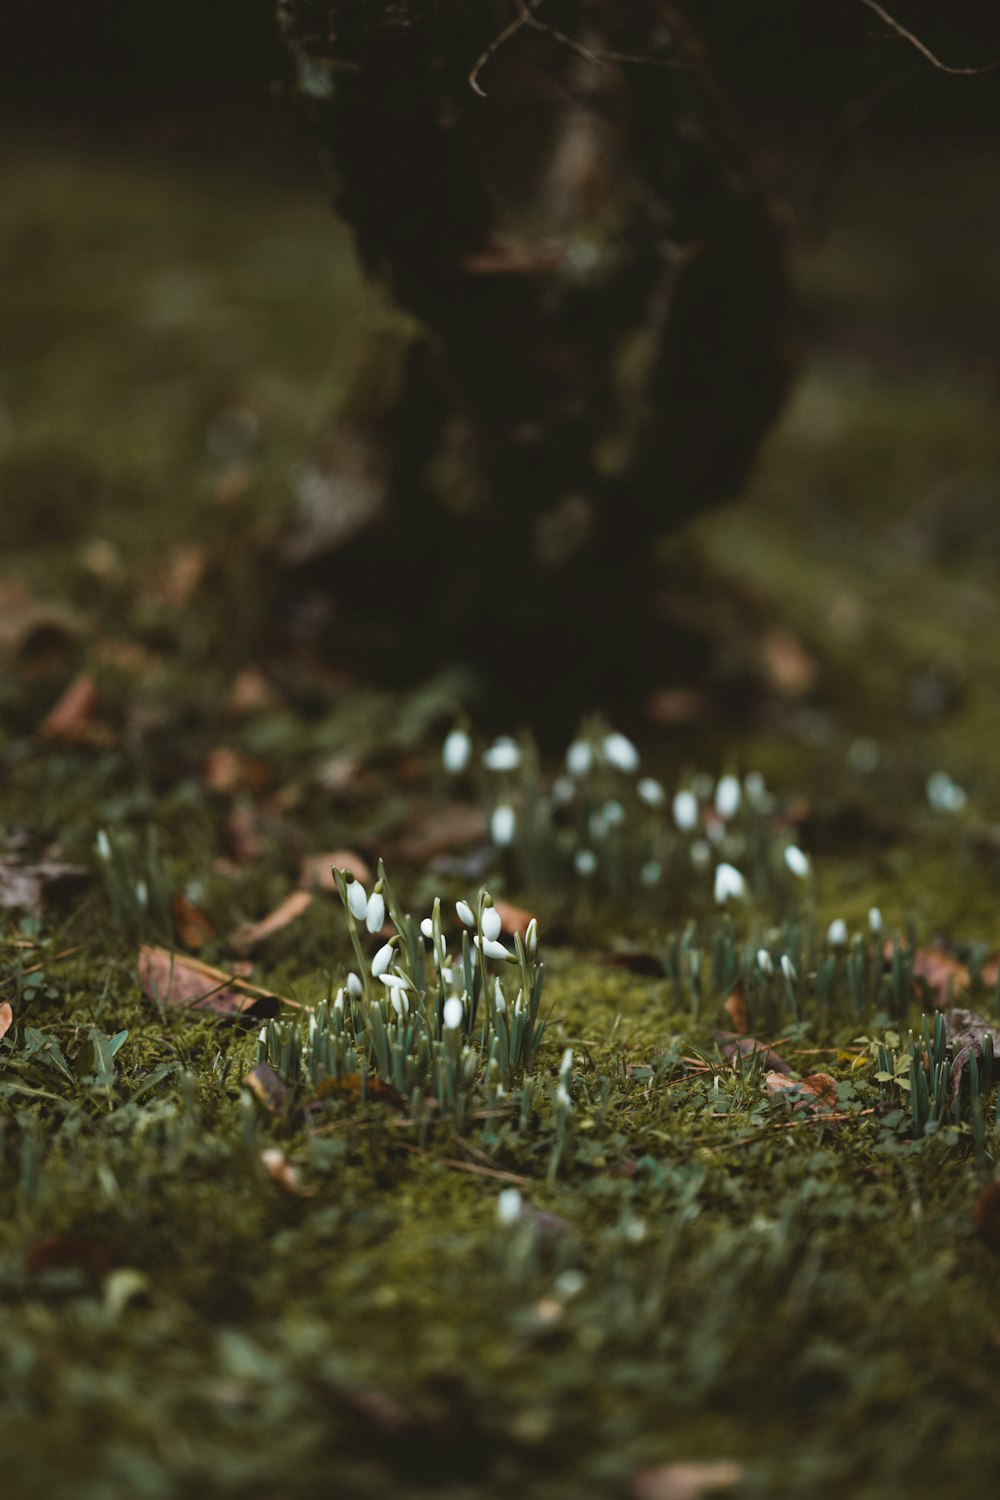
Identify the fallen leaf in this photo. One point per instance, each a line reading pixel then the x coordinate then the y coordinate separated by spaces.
pixel 190 923
pixel 747 1046
pixel 945 975
pixel 267 1088
pixel 185 983
pixel 736 1009
pixel 316 871
pixel 70 720
pixel 249 934
pixel 6 1018
pixel 513 918
pixel 804 1093
pixel 688 1481
pixel 789 669
pixel 28 626
pixel 283 1174
pixel 964 1026
pixel 22 887
pixel 249 694
pixel 228 771
pixel 678 705
pixel 182 575
pixel 68 1252
pixel 438 831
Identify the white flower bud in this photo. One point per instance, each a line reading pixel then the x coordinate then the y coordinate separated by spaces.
pixel 453 1013
pixel 651 792
pixel 499 998
pixel 338 1000
pixel 491 922
pixel 491 948
pixel 427 928
pixel 503 755
pixel 685 810
pixel 400 1003
pixel 103 845
pixel 354 986
pixel 503 825
pixel 765 962
pixel 875 921
pixel 651 873
pixel 729 883
pixel 836 933
pixel 614 813
pixel 531 938
pixel 456 752
pixel 579 758
pixel 375 915
pixel 563 1097
pixel 509 1206
pixel 465 913
pixel 788 968
pixel 383 959
pixel 701 854
pixel 728 795
pixel 585 862
pixel 357 900
pixel 566 1064
pixel 563 790
pixel 620 753
pixel 395 981
pixel 797 862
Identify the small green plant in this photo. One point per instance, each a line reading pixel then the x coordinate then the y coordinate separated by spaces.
pixel 137 883
pixel 936 1082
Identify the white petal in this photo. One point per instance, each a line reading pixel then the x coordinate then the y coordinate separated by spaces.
pixel 456 752
pixel 509 1206
pixel 375 916
pixel 453 1013
pixel 427 928
pixel 465 913
pixel 620 752
pixel 685 811
pixel 382 960
pixel 491 922
pixel 651 792
pixel 503 755
pixel 357 900
pixel 728 795
pixel 503 825
pixel 579 758
pixel 796 861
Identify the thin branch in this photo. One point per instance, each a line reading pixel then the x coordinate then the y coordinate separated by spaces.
pixel 922 48
pixel 523 18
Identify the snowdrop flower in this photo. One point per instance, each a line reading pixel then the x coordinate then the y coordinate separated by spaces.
pixel 566 1064
pixel 620 752
pixel 579 758
pixel 396 981
pixel 685 810
pixel 585 861
pixel 142 893
pixel 614 813
pixel 569 1284
pixel 765 962
pixel 651 792
pixel 729 883
pixel 563 1097
pixel 262 1036
pixel 383 958
pixel 492 948
pixel 503 825
pixel 103 845
pixel 728 795
pixel 448 975
pixel 354 986
pixel 399 1002
pixel 427 928
pixel 563 790
pixel 701 854
pixel 943 794
pixel 499 998
pixel 375 914
pixel 357 900
pixel 531 938
pixel 651 872
pixel 453 1013
pixel 757 793
pixel 338 1000
pixel 836 933
pixel 797 862
pixel 491 922
pixel 509 1206
pixel 875 921
pixel 456 752
pixel 788 968
pixel 465 913
pixel 503 755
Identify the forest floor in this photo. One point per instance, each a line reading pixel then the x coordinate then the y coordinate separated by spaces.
pixel 652 1268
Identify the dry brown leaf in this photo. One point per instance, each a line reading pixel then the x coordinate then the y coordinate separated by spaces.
pixel 70 720
pixel 267 1088
pixel 250 693
pixel 736 1009
pixel 228 771
pixel 283 1174
pixel 186 983
pixel 438 831
pixel 730 1043
pixel 22 887
pixel 26 624
pixel 689 1481
pixel 6 1018
pixel 316 872
pixel 190 923
pixel 946 975
pixel 789 669
pixel 513 918
pixel 249 934
pixel 678 705
pixel 183 574
pixel 68 1252
pixel 804 1093
pixel 349 1087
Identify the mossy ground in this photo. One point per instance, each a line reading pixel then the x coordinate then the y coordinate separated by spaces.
pixel 809 1299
